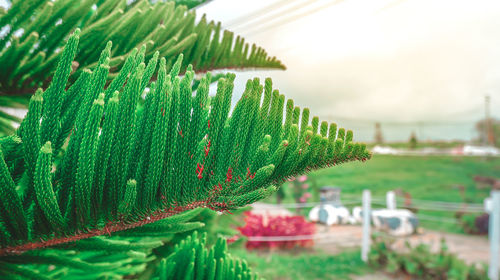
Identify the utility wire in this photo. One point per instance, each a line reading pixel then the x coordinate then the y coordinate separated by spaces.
pixel 256 14
pixel 292 18
pixel 288 237
pixel 436 219
pixel 273 17
pixel 402 123
pixel 445 203
pixel 416 204
pixel 322 236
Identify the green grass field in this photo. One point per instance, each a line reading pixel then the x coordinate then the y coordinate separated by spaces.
pixel 436 178
pixel 303 265
pixel 429 177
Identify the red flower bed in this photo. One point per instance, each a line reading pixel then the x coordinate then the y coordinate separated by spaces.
pixel 260 227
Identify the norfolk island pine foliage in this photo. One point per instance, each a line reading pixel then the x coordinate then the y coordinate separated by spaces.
pixel 117 169
pixel 35 31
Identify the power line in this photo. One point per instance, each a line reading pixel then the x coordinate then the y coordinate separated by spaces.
pixel 437 219
pixel 402 123
pixel 287 237
pixel 429 205
pixel 260 12
pixel 409 123
pixel 274 17
pixel 293 18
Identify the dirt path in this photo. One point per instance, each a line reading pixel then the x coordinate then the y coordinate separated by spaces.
pixel 472 249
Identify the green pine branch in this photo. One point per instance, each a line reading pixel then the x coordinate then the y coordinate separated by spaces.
pixel 28 58
pixel 192 260
pixel 105 162
pixel 36 31
pixel 130 254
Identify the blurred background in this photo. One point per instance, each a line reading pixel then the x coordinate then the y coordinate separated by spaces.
pixel 419 82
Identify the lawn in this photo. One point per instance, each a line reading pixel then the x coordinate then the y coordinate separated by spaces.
pixel 437 178
pixel 304 265
pixel 424 177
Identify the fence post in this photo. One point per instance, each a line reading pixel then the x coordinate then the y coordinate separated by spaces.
pixel 494 235
pixel 390 198
pixel 365 246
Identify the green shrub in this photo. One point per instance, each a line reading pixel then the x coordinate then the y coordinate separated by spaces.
pixel 421 263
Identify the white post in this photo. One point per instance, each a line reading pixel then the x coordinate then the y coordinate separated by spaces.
pixel 494 235
pixel 365 246
pixel 390 198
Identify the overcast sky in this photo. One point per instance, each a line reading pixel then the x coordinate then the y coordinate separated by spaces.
pixel 399 61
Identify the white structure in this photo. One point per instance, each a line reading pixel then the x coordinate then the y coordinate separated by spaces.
pixel 384 150
pixel 365 240
pixel 332 215
pixel 480 150
pixel 390 198
pixel 398 222
pixel 493 208
pixel 357 214
pixel 330 211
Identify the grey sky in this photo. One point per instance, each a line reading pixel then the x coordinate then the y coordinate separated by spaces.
pixel 357 62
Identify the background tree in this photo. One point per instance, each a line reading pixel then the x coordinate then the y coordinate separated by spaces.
pixel 412 143
pixel 489 134
pixel 379 137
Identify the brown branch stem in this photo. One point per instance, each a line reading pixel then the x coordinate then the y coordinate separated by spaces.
pixel 107 230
